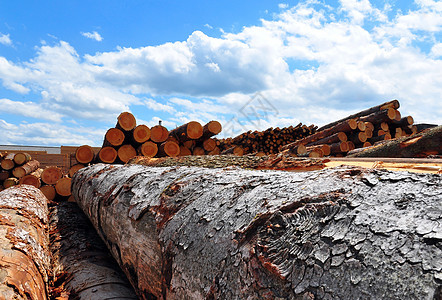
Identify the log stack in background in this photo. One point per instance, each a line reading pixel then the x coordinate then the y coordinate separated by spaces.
pixel 363 129
pixel 127 140
pixel 266 142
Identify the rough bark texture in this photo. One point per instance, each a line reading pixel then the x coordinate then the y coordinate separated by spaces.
pixel 24 252
pixel 82 264
pixel 196 233
pixel 420 145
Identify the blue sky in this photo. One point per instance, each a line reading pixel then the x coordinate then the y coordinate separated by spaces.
pixel 68 68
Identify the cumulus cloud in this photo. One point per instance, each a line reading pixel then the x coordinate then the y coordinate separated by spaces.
pixel 5 39
pixel 28 109
pixel 93 36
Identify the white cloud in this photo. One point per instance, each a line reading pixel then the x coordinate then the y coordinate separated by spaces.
pixel 28 109
pixel 5 39
pixel 208 26
pixel 93 36
pixel 283 5
pixel 157 106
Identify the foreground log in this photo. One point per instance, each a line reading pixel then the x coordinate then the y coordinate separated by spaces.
pixel 196 233
pixel 423 144
pixel 24 253
pixel 83 267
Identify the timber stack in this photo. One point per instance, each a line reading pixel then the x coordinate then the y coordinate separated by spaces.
pixel 127 140
pixel 360 130
pixel 265 142
pixel 21 168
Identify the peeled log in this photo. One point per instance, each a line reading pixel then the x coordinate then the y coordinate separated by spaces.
pixel 24 254
pixel 81 258
pixel 423 144
pixel 197 233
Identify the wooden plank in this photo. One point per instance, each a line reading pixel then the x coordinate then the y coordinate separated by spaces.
pixel 60 160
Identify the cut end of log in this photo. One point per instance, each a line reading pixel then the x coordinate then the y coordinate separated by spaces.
pixel 159 134
pixel 126 121
pixel 209 144
pixel 214 127
pixel 391 104
pixel 49 192
pixel 352 123
pixel 141 134
pixel 63 187
pixel 114 136
pixel 169 148
pixel 342 136
pixel 184 151
pixel 194 130
pixel 149 149
pixel 198 151
pixel 126 152
pixel 51 175
pixel 107 155
pixel 361 126
pixel 75 168
pixel 7 164
pixel 84 154
pixel 22 158
pixel 30 180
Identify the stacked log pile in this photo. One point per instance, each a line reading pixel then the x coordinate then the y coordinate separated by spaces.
pixel 266 142
pixel 21 168
pixel 127 140
pixel 363 129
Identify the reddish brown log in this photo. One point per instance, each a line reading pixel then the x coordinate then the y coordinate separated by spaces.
pixel 184 151
pixel 209 144
pixel 63 187
pixel 215 151
pixel 334 138
pixel 358 138
pixel 237 150
pixel 405 121
pixel 126 121
pixel 369 125
pixel 107 155
pixel 211 129
pixel 198 151
pixel 51 175
pixel 75 168
pixel 84 154
pixel 7 162
pixel 32 179
pixel 168 148
pixel 26 169
pixel 141 134
pixel 189 144
pixel 390 104
pixel 4 174
pixel 24 254
pixel 49 192
pixel 159 134
pixel 126 152
pixel 340 147
pixel 361 125
pixel 11 181
pixel 113 138
pixel 298 150
pixel 149 149
pixel 189 131
pixel 22 158
pixel 386 115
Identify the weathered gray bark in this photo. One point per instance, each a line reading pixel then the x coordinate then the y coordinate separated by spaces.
pixel 82 265
pixel 25 268
pixel 195 233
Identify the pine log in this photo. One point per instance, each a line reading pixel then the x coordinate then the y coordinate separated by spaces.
pixel 51 175
pixel 32 179
pixel 113 138
pixel 126 121
pixel 358 137
pixel 390 104
pixel 386 115
pixel 238 151
pixel 84 154
pixel 7 162
pixel 423 144
pixel 63 187
pixel 423 126
pixel 340 147
pixel 345 126
pixel 209 144
pixel 369 125
pixel 126 152
pixel 159 134
pixel 11 181
pixel 189 144
pixel 107 155
pixel 83 267
pixel 141 134
pixel 26 169
pixel 298 150
pixel 189 131
pixel 215 151
pixel 184 151
pixel 211 129
pixel 197 233
pixel 4 174
pixel 49 192
pixel 148 148
pixel 405 121
pixel 75 168
pixel 198 151
pixel 361 125
pixel 168 148
pixel 24 254
pixel 21 158
pixel 334 138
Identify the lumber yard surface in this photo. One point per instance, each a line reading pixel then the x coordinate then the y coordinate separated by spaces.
pixel 199 233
